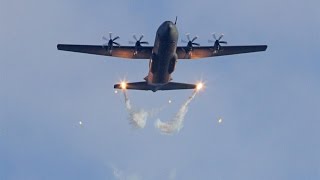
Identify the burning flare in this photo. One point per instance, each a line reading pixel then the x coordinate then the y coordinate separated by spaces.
pixel 199 86
pixel 123 85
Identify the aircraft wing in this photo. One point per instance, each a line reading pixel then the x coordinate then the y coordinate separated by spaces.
pixel 211 51
pixel 117 51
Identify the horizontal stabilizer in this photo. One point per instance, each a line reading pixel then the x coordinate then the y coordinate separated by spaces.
pixel 135 85
pixel 175 85
pixel 145 86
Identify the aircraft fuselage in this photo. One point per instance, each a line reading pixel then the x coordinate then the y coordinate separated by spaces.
pixel 164 57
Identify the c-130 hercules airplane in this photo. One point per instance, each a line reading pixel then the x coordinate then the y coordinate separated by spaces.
pixel 163 55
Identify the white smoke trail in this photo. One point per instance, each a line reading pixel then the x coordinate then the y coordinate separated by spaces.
pixel 122 175
pixel 172 174
pixel 176 123
pixel 118 174
pixel 138 118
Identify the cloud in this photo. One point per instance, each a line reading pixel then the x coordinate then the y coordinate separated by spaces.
pixel 121 175
pixel 173 174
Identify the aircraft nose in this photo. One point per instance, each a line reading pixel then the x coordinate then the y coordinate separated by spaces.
pixel 169 31
pixel 170 27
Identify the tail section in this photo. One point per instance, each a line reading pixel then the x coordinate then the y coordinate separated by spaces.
pixel 145 86
pixel 176 86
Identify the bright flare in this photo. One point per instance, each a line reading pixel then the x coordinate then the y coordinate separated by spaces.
pixel 199 86
pixel 123 85
pixel 220 120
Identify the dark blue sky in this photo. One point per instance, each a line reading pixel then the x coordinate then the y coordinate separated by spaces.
pixel 269 101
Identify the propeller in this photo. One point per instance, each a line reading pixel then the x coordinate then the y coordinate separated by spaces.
pixel 110 41
pixel 190 44
pixel 217 41
pixel 190 41
pixel 138 43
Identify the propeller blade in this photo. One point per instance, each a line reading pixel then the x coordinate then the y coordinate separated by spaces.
pixel 197 44
pixel 220 37
pixel 223 42
pixel 135 37
pixel 115 38
pixel 214 36
pixel 196 37
pixel 141 37
pixel 104 38
pixel 144 42
pixel 110 35
pixel 116 43
pixel 188 36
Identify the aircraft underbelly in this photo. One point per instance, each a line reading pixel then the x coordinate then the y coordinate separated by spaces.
pixel 161 76
pixel 164 54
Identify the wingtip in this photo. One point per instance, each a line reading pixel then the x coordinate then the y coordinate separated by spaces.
pixel 265 47
pixel 116 86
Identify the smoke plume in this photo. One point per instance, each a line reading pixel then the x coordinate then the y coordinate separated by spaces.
pixel 137 117
pixel 122 175
pixel 176 123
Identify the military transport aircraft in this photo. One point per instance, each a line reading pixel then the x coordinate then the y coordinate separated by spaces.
pixel 162 56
